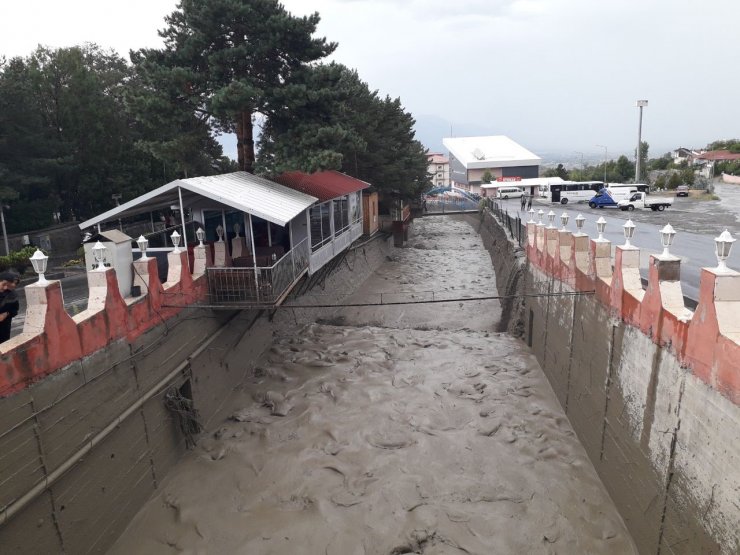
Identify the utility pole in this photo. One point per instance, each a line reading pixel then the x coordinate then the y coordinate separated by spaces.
pixel 5 233
pixel 640 104
pixel 605 157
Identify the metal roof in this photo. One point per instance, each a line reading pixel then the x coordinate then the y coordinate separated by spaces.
pixel 240 190
pixel 325 185
pixel 497 151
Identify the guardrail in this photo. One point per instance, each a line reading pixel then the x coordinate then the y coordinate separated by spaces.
pixel 257 286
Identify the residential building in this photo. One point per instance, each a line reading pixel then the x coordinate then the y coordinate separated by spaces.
pixel 504 159
pixel 438 169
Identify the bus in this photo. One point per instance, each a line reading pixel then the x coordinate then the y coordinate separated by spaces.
pixel 584 191
pixel 570 191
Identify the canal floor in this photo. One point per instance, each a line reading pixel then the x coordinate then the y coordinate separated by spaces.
pixel 390 430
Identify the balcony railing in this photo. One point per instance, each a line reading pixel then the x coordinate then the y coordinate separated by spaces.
pixel 265 286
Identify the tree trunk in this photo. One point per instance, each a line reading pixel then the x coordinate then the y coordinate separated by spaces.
pixel 245 142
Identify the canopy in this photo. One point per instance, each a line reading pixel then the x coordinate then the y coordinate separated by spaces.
pixel 240 190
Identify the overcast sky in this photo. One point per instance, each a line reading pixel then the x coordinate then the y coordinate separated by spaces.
pixel 554 75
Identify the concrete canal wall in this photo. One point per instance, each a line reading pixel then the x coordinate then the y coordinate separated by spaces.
pixel 651 389
pixel 95 409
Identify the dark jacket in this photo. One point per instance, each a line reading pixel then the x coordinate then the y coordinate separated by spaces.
pixel 8 303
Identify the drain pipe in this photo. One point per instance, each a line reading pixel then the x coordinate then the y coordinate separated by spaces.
pixel 19 504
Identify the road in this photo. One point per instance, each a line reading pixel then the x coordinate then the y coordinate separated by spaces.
pixel 696 223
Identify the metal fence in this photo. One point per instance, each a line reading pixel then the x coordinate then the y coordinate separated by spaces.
pixel 513 222
pixel 442 205
pixel 260 286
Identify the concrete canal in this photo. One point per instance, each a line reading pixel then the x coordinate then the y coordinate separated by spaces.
pixel 387 430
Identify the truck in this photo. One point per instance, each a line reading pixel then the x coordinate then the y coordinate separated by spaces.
pixel 641 200
pixel 610 197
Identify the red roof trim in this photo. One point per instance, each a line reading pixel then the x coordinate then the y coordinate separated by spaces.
pixel 324 185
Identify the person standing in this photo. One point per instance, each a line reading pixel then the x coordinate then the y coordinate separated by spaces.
pixel 529 202
pixel 523 201
pixel 9 304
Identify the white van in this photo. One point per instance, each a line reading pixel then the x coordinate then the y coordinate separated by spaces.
pixel 510 192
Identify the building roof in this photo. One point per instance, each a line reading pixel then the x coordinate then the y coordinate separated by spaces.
pixel 324 185
pixel 527 182
pixel 437 158
pixel 240 190
pixel 719 155
pixel 495 151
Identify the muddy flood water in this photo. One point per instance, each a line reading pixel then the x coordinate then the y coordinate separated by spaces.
pixel 390 430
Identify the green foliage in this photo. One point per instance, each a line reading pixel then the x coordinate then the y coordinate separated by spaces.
pixel 68 139
pixel 228 60
pixel 687 176
pixel 625 170
pixel 487 177
pixel 559 171
pixel 333 120
pixel 733 145
pixel 17 260
pixel 660 182
pixel 674 181
pixel 662 163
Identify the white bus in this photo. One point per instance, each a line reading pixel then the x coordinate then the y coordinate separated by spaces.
pixel 571 191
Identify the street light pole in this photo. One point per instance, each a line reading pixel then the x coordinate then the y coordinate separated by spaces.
pixel 605 157
pixel 5 233
pixel 640 104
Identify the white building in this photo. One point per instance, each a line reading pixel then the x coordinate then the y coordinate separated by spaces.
pixel 472 157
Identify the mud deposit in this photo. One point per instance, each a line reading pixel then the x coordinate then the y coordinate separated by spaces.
pixel 390 430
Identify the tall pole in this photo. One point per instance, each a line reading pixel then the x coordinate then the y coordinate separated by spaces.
pixel 605 157
pixel 640 104
pixel 5 233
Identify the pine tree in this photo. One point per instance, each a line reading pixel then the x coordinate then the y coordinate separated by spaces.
pixel 227 60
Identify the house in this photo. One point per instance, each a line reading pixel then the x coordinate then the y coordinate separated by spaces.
pixel 254 230
pixel 439 169
pixel 504 159
pixel 710 158
pixel 335 220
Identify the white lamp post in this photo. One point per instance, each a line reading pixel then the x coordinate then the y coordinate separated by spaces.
pixel 600 227
pixel 564 220
pixel 666 238
pixel 606 154
pixel 175 241
pixel 540 213
pixel 629 232
pixel 550 219
pixel 200 235
pixel 640 104
pixel 143 244
pixel 531 216
pixel 39 261
pixel 579 223
pixel 724 246
pixel 98 252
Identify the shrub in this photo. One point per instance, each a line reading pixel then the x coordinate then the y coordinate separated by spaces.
pixel 17 260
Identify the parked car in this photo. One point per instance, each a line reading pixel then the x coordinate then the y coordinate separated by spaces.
pixel 609 197
pixel 510 192
pixel 641 200
pixel 682 191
